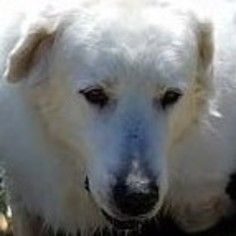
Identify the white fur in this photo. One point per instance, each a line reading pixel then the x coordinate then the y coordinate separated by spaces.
pixel 51 138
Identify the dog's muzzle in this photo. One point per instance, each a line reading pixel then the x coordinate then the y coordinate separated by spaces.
pixel 131 203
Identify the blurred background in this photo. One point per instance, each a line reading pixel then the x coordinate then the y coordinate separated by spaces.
pixel 5 211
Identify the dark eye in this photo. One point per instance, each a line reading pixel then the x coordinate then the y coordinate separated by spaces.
pixel 95 96
pixel 170 97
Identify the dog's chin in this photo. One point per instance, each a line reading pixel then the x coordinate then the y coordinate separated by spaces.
pixel 122 224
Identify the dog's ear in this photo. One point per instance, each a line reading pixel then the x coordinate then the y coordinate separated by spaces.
pixel 30 49
pixel 205 45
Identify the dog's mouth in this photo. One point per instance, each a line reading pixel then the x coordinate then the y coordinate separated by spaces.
pixel 122 224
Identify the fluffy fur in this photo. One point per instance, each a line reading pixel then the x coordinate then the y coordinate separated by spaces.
pixel 52 138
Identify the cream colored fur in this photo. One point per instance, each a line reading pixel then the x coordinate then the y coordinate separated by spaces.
pixel 51 138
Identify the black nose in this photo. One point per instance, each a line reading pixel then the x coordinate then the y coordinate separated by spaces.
pixel 135 201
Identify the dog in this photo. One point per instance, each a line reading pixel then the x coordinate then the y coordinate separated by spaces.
pixel 113 112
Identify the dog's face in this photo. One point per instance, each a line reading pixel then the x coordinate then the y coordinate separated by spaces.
pixel 117 92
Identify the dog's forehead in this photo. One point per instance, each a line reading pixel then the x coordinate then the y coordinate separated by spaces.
pixel 124 49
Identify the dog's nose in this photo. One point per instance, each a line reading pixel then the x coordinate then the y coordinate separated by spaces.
pixel 135 200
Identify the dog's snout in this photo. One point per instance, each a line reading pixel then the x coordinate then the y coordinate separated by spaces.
pixel 135 200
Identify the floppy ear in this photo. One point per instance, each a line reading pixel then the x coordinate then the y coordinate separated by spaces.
pixel 30 49
pixel 205 46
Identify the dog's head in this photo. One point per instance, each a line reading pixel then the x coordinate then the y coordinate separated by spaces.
pixel 118 88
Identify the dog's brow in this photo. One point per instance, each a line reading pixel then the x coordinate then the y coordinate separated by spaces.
pixel 107 83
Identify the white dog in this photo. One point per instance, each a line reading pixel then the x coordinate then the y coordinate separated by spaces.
pixel 118 109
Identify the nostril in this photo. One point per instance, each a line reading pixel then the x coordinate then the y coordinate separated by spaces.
pixel 231 187
pixel 135 203
pixel 86 184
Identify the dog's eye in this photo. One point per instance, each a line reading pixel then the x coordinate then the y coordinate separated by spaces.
pixel 95 96
pixel 170 97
